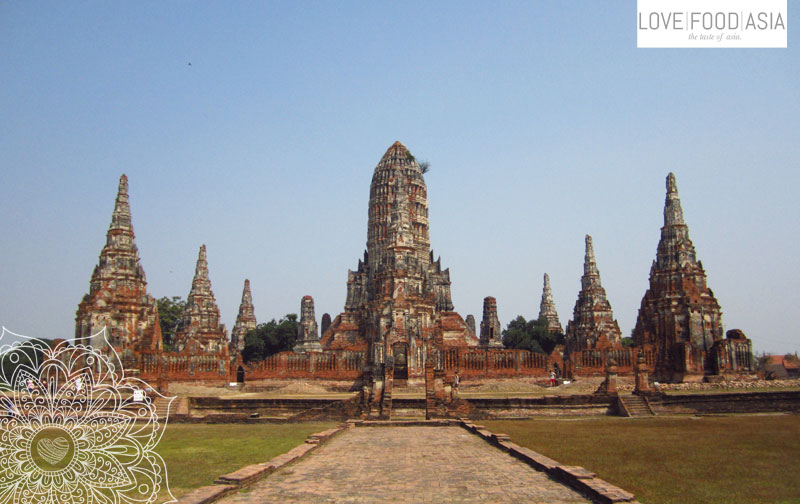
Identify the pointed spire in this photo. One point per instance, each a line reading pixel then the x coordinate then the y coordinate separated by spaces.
pixel 201 269
pixel 673 213
pixel 245 321
pixel 200 318
pixel 547 308
pixel 121 218
pixel 592 325
pixel 119 257
pixel 678 296
pixel 118 298
pixel 247 298
pixel 589 261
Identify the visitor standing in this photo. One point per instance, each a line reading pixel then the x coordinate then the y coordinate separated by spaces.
pixel 552 378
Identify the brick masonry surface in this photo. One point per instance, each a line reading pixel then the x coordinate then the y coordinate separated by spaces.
pixel 407 465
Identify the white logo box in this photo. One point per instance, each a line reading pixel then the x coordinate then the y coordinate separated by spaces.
pixel 711 23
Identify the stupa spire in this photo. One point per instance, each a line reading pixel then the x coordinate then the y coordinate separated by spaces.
pixel 307 331
pixel 673 213
pixel 245 320
pixel 547 308
pixel 118 298
pixel 121 217
pixel 398 298
pixel 491 330
pixel 592 325
pixel 678 309
pixel 200 320
pixel 589 261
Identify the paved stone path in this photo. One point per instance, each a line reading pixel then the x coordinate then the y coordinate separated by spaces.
pixel 407 465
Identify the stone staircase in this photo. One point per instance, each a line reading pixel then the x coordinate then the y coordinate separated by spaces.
pixel 386 403
pixel 635 406
pixel 180 407
pixel 162 407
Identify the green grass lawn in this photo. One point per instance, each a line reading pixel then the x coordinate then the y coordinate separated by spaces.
pixel 730 459
pixel 196 454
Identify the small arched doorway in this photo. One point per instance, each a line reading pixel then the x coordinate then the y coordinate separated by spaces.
pixel 400 351
pixel 240 375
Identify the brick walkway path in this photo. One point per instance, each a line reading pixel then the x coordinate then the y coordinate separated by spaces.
pixel 407 465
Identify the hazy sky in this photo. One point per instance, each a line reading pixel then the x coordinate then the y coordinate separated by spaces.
pixel 255 128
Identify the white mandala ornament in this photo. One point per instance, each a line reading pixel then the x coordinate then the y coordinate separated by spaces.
pixel 74 429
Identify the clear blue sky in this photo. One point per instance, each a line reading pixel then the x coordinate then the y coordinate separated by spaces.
pixel 542 122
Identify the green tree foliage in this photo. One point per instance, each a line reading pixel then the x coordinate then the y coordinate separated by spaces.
pixel 30 356
pixel 627 341
pixel 530 335
pixel 169 314
pixel 270 338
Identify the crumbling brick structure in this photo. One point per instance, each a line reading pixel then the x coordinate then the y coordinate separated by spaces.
pixel 679 315
pixel 592 326
pixel 118 300
pixel 200 328
pixel 399 322
pixel 491 330
pixel 245 320
pixel 398 299
pixel 547 309
pixel 307 332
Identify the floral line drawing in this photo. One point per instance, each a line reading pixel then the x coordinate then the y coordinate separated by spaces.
pixel 74 429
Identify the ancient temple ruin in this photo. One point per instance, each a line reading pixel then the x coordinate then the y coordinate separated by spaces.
pixel 200 329
pixel 245 320
pixel 679 314
pixel 307 332
pixel 491 330
pixel 399 324
pixel 592 326
pixel 398 299
pixel 547 309
pixel 118 300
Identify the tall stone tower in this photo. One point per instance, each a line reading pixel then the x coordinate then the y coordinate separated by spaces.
pixel 491 331
pixel 245 320
pixel 592 325
pixel 678 308
pixel 201 331
pixel 398 299
pixel 307 332
pixel 547 309
pixel 118 298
